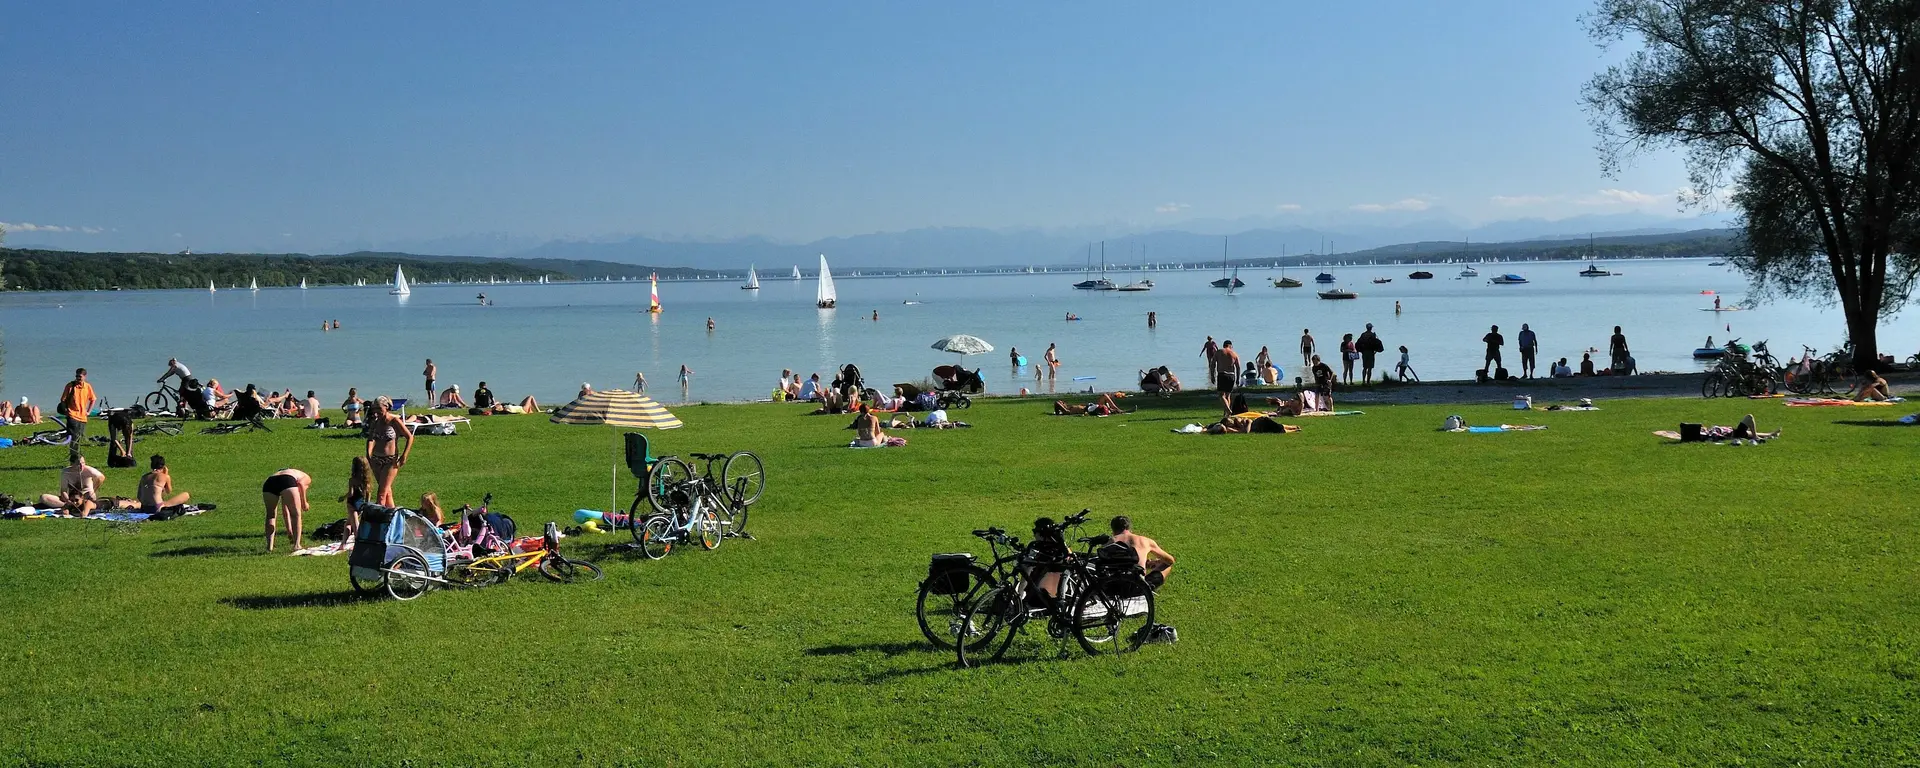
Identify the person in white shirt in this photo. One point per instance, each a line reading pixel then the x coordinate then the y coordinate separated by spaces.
pixel 811 389
pixel 1561 370
pixel 174 368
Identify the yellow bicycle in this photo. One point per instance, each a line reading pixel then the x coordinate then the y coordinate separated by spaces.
pixel 413 573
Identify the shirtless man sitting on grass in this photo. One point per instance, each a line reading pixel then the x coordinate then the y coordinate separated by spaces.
pixel 79 489
pixel 1156 562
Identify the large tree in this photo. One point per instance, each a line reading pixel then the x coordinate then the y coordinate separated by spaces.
pixel 1806 111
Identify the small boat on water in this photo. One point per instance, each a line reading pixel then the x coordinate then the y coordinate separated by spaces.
pixel 653 293
pixel 1379 280
pixel 400 282
pixel 825 297
pixel 254 285
pixel 1229 282
pixel 1420 275
pixel 1100 283
pixel 1509 279
pixel 1469 272
pixel 1593 270
pixel 303 283
pixel 753 280
pixel 1716 263
pixel 1324 277
pixel 1143 285
pixel 1287 282
pixel 1709 353
pixel 1338 294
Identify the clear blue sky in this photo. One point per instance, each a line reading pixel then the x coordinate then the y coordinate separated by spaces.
pixel 302 125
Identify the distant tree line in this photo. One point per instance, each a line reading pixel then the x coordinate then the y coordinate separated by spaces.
pixel 42 270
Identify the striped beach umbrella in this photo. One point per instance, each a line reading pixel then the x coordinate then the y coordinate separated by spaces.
pixel 616 407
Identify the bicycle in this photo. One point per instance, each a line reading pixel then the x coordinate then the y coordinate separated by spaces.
pixel 693 513
pixel 742 479
pixel 166 399
pixel 410 575
pixel 168 428
pixel 239 426
pixel 1089 602
pixel 952 578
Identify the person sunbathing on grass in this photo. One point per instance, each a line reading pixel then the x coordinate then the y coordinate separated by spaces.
pixel 1873 388
pixel 1105 406
pixel 79 489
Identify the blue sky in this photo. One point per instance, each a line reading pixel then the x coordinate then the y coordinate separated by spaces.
pixel 303 125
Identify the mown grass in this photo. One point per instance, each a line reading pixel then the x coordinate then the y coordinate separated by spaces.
pixel 1369 591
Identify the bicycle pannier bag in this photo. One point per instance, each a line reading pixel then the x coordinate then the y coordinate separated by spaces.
pixel 947 574
pixel 1690 433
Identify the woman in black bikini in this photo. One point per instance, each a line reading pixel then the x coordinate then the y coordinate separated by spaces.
pixel 285 490
pixel 384 451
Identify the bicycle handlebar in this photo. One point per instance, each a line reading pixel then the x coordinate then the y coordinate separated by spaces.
pixel 708 456
pixel 988 533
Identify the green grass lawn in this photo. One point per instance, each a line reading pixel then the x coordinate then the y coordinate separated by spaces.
pixel 1369 591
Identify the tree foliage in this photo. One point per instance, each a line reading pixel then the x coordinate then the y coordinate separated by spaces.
pixel 1806 111
pixel 38 270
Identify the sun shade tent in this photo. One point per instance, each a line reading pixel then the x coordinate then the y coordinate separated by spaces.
pixel 617 408
pixel 963 344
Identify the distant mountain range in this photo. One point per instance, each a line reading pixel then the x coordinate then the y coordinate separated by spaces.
pixel 971 247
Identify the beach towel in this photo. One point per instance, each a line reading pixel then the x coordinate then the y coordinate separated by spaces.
pixel 1910 419
pixel 1190 429
pixel 1570 408
pixel 1714 435
pixel 1506 428
pixel 329 548
pixel 891 442
pixel 1809 402
pixel 1334 413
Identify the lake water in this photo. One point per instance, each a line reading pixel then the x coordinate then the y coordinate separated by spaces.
pixel 547 339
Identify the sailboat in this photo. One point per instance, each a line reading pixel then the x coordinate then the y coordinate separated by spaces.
pixel 826 298
pixel 303 283
pixel 210 288
pixel 400 282
pixel 753 280
pixel 1137 285
pixel 796 273
pixel 255 285
pixel 653 293
pixel 1092 283
pixel 1226 282
pixel 1284 281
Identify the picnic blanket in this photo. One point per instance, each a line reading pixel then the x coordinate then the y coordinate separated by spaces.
pixel 1334 413
pixel 891 442
pixel 1809 402
pixel 329 548
pixel 1714 435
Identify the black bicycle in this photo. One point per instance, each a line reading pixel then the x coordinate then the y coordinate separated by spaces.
pixel 741 480
pixel 248 425
pixel 1102 601
pixel 168 428
pixel 952 578
pixel 166 399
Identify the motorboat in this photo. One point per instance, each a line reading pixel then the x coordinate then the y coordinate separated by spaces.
pixel 1324 277
pixel 1380 280
pixel 1594 271
pixel 1469 272
pixel 1287 282
pixel 1338 294
pixel 1420 275
pixel 1509 279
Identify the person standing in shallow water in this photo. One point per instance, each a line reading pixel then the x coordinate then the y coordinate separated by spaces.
pixel 1207 352
pixel 1306 347
pixel 1153 321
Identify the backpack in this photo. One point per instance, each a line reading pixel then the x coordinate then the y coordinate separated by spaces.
pixel 334 531
pixel 949 574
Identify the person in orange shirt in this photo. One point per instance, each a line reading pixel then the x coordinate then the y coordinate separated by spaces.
pixel 75 401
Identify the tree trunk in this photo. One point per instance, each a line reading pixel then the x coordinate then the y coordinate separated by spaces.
pixel 1863 327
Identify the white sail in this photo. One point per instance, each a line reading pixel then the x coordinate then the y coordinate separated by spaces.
pixel 826 298
pixel 255 285
pixel 400 282
pixel 796 272
pixel 303 283
pixel 210 288
pixel 753 279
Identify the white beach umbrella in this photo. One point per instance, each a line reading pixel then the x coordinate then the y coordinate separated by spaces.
pixel 963 344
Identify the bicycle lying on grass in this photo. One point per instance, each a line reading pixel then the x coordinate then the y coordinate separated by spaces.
pixel 405 554
pixel 238 426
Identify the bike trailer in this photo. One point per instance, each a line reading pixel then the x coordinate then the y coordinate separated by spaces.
pixel 948 574
pixel 388 532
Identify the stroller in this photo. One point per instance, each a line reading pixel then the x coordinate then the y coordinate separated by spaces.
pixel 954 384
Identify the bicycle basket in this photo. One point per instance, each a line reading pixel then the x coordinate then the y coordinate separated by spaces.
pixel 948 574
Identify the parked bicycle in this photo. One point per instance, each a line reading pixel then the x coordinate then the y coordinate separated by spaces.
pixel 1819 374
pixel 694 509
pixel 951 578
pixel 1736 375
pixel 1099 597
pixel 741 481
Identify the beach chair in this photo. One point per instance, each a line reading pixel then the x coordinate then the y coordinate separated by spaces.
pixel 400 406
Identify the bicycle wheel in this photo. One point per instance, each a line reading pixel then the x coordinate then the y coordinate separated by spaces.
pixel 1106 624
pixel 939 614
pixel 665 477
pixel 655 537
pixel 561 569
pixel 168 428
pixel 744 477
pixel 157 402
pixel 996 613
pixel 407 577
pixel 707 525
pixel 1712 385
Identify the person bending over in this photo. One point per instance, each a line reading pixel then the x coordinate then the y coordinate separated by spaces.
pixel 156 487
pixel 1155 561
pixel 451 398
pixel 285 494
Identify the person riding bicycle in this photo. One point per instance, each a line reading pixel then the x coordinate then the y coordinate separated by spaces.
pixel 174 368
pixel 1155 562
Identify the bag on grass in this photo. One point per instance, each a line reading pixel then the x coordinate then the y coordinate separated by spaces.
pixel 947 574
pixel 1454 424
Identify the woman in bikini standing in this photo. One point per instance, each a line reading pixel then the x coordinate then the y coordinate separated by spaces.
pixel 384 450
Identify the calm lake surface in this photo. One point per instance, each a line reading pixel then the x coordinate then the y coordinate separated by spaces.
pixel 547 339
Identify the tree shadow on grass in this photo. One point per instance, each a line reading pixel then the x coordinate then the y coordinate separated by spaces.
pixel 208 550
pixel 1875 423
pixel 313 600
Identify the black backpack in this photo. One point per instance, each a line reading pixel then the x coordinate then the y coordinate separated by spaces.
pixel 1117 571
